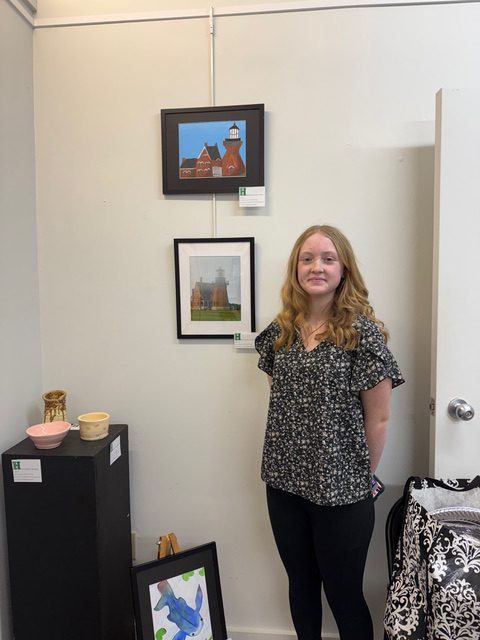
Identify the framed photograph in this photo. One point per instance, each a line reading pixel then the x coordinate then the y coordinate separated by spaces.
pixel 212 149
pixel 215 286
pixel 179 596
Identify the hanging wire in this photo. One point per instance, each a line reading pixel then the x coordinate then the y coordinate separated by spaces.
pixel 212 103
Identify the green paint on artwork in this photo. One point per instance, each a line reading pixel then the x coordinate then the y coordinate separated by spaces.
pixel 188 575
pixel 160 633
pixel 202 571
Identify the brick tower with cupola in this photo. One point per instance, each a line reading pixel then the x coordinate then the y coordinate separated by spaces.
pixel 219 293
pixel 232 163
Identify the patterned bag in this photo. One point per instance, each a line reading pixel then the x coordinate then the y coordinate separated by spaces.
pixel 434 592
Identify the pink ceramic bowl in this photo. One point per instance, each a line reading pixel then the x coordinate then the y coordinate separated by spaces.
pixel 48 435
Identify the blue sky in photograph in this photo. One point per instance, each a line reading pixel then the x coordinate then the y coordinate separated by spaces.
pixel 193 135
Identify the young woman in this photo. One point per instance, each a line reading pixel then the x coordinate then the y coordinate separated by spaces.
pixel 331 376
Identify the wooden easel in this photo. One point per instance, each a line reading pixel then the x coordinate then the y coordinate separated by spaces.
pixel 167 546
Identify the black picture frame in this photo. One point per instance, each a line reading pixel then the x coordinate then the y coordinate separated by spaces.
pixel 215 286
pixel 187 131
pixel 183 575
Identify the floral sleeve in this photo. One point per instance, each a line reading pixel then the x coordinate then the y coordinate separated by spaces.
pixel 264 345
pixel 374 361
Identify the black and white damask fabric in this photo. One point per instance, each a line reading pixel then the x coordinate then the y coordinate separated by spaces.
pixel 435 588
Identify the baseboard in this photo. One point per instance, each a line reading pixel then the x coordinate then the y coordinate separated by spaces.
pixel 241 633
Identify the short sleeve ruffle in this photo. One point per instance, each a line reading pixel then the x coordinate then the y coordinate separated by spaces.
pixel 264 345
pixel 373 359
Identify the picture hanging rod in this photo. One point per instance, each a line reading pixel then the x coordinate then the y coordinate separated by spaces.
pixel 225 12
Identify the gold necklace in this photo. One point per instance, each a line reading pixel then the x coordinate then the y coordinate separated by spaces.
pixel 317 337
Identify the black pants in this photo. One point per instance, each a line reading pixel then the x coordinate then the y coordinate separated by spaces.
pixel 324 546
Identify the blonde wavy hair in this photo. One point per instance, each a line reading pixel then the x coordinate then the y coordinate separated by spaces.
pixel 350 298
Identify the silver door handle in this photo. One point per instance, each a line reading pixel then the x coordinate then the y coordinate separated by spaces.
pixel 460 409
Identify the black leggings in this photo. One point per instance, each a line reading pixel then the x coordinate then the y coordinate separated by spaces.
pixel 324 545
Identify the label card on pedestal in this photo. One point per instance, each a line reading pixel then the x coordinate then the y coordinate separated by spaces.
pixel 27 470
pixel 115 450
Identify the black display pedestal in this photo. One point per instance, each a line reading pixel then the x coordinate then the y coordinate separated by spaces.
pixel 69 540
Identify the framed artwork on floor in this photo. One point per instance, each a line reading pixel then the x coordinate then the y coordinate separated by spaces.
pixel 212 149
pixel 180 596
pixel 215 286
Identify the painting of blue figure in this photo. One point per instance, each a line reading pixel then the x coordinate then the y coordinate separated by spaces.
pixel 180 607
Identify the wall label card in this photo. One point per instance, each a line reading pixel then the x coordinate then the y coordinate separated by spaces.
pixel 251 196
pixel 244 340
pixel 27 470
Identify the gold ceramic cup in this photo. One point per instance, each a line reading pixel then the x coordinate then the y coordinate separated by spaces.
pixel 93 426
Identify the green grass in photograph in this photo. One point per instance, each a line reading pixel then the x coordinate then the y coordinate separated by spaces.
pixel 229 315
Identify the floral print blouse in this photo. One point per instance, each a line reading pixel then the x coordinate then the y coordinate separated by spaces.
pixel 315 444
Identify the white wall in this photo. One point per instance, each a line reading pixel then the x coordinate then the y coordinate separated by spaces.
pixel 350 97
pixel 20 388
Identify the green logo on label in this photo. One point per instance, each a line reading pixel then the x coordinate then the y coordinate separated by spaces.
pixel 242 191
pixel 16 465
pixel 236 336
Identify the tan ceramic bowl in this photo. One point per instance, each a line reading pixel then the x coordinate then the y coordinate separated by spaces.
pixel 93 426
